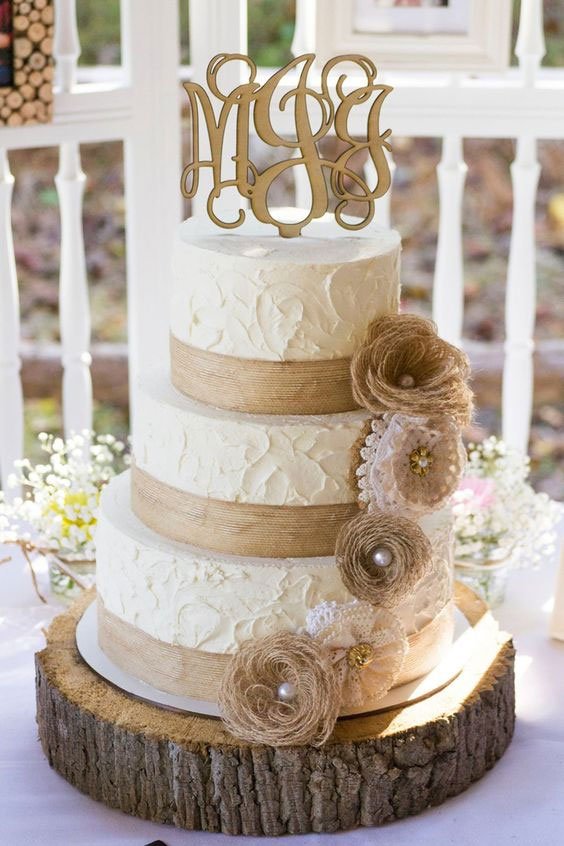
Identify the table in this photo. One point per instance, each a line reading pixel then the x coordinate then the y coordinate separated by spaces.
pixel 520 802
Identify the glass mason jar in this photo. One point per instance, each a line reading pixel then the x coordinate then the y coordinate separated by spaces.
pixel 486 576
pixel 67 579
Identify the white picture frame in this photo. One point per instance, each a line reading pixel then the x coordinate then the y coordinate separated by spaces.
pixel 465 36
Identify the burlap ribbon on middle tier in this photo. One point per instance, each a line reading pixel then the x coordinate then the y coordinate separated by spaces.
pixel 262 387
pixel 242 528
pixel 197 674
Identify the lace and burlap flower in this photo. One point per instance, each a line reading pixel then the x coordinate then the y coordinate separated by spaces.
pixel 403 366
pixel 280 690
pixel 413 465
pixel 367 647
pixel 381 556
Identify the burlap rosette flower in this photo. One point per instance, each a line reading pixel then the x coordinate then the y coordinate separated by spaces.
pixel 411 464
pixel 280 690
pixel 366 645
pixel 381 557
pixel 403 366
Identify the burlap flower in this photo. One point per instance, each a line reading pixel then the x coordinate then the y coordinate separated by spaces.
pixel 414 465
pixel 367 647
pixel 381 557
pixel 280 690
pixel 403 366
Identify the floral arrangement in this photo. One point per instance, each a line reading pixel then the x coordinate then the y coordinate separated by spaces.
pixel 288 688
pixel 497 514
pixel 57 514
pixel 416 385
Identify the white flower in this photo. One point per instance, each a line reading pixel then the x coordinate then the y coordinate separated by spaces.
pixel 411 465
pixel 514 520
pixel 367 646
pixel 62 494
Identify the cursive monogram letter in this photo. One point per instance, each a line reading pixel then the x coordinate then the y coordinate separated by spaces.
pixel 254 102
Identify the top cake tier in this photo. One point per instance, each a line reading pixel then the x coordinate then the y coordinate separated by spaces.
pixel 256 296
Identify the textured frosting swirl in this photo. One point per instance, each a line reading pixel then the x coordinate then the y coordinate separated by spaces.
pixel 256 296
pixel 201 599
pixel 272 460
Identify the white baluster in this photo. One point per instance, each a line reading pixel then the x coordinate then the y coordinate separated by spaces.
pixel 73 285
pixel 382 207
pixel 530 47
pixel 448 286
pixel 73 296
pixel 218 26
pixel 303 42
pixel 11 397
pixel 304 28
pixel 520 300
pixel 66 44
pixel 152 177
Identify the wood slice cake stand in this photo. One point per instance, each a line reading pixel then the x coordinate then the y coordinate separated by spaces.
pixel 187 770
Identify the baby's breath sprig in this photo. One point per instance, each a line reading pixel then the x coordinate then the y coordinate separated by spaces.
pixel 497 514
pixel 58 511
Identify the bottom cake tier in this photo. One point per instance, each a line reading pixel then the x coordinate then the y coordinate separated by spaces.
pixel 172 614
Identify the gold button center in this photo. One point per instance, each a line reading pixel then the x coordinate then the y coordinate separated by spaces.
pixel 420 460
pixel 360 656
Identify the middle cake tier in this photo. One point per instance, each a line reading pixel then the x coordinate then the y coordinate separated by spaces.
pixel 249 484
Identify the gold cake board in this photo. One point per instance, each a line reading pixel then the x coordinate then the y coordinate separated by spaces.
pixel 186 770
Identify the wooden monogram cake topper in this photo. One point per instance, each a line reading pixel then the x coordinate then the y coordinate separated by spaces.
pixel 315 112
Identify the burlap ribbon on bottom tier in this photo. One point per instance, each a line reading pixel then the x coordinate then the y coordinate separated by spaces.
pixel 242 528
pixel 195 673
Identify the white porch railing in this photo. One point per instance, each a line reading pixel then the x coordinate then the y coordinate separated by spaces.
pixel 139 105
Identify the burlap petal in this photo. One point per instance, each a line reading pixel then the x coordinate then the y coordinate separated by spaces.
pixel 361 537
pixel 394 481
pixel 248 700
pixel 403 366
pixel 359 625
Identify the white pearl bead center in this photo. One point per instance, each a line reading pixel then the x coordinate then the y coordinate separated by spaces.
pixel 406 381
pixel 382 557
pixel 286 691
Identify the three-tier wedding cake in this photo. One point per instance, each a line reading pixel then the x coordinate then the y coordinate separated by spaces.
pixel 251 459
pixel 279 554
pixel 281 546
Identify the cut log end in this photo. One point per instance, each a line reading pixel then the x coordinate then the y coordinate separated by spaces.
pixel 186 770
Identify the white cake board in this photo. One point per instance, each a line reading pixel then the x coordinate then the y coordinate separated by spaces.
pixel 448 669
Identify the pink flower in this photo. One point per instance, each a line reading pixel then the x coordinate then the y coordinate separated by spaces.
pixel 482 490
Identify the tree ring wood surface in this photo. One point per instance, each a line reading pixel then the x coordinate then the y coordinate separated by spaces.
pixel 186 770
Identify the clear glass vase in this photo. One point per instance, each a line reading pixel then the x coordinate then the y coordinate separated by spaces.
pixel 68 579
pixel 486 576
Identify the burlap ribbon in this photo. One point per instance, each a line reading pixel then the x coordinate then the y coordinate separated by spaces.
pixel 265 531
pixel 197 674
pixel 261 387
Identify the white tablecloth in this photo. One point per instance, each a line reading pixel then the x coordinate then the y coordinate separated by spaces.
pixel 520 802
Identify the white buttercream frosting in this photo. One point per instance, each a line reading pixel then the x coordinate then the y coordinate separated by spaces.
pixel 258 296
pixel 273 460
pixel 204 600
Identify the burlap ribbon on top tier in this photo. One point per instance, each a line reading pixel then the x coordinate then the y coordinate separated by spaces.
pixel 262 387
pixel 265 531
pixel 196 673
